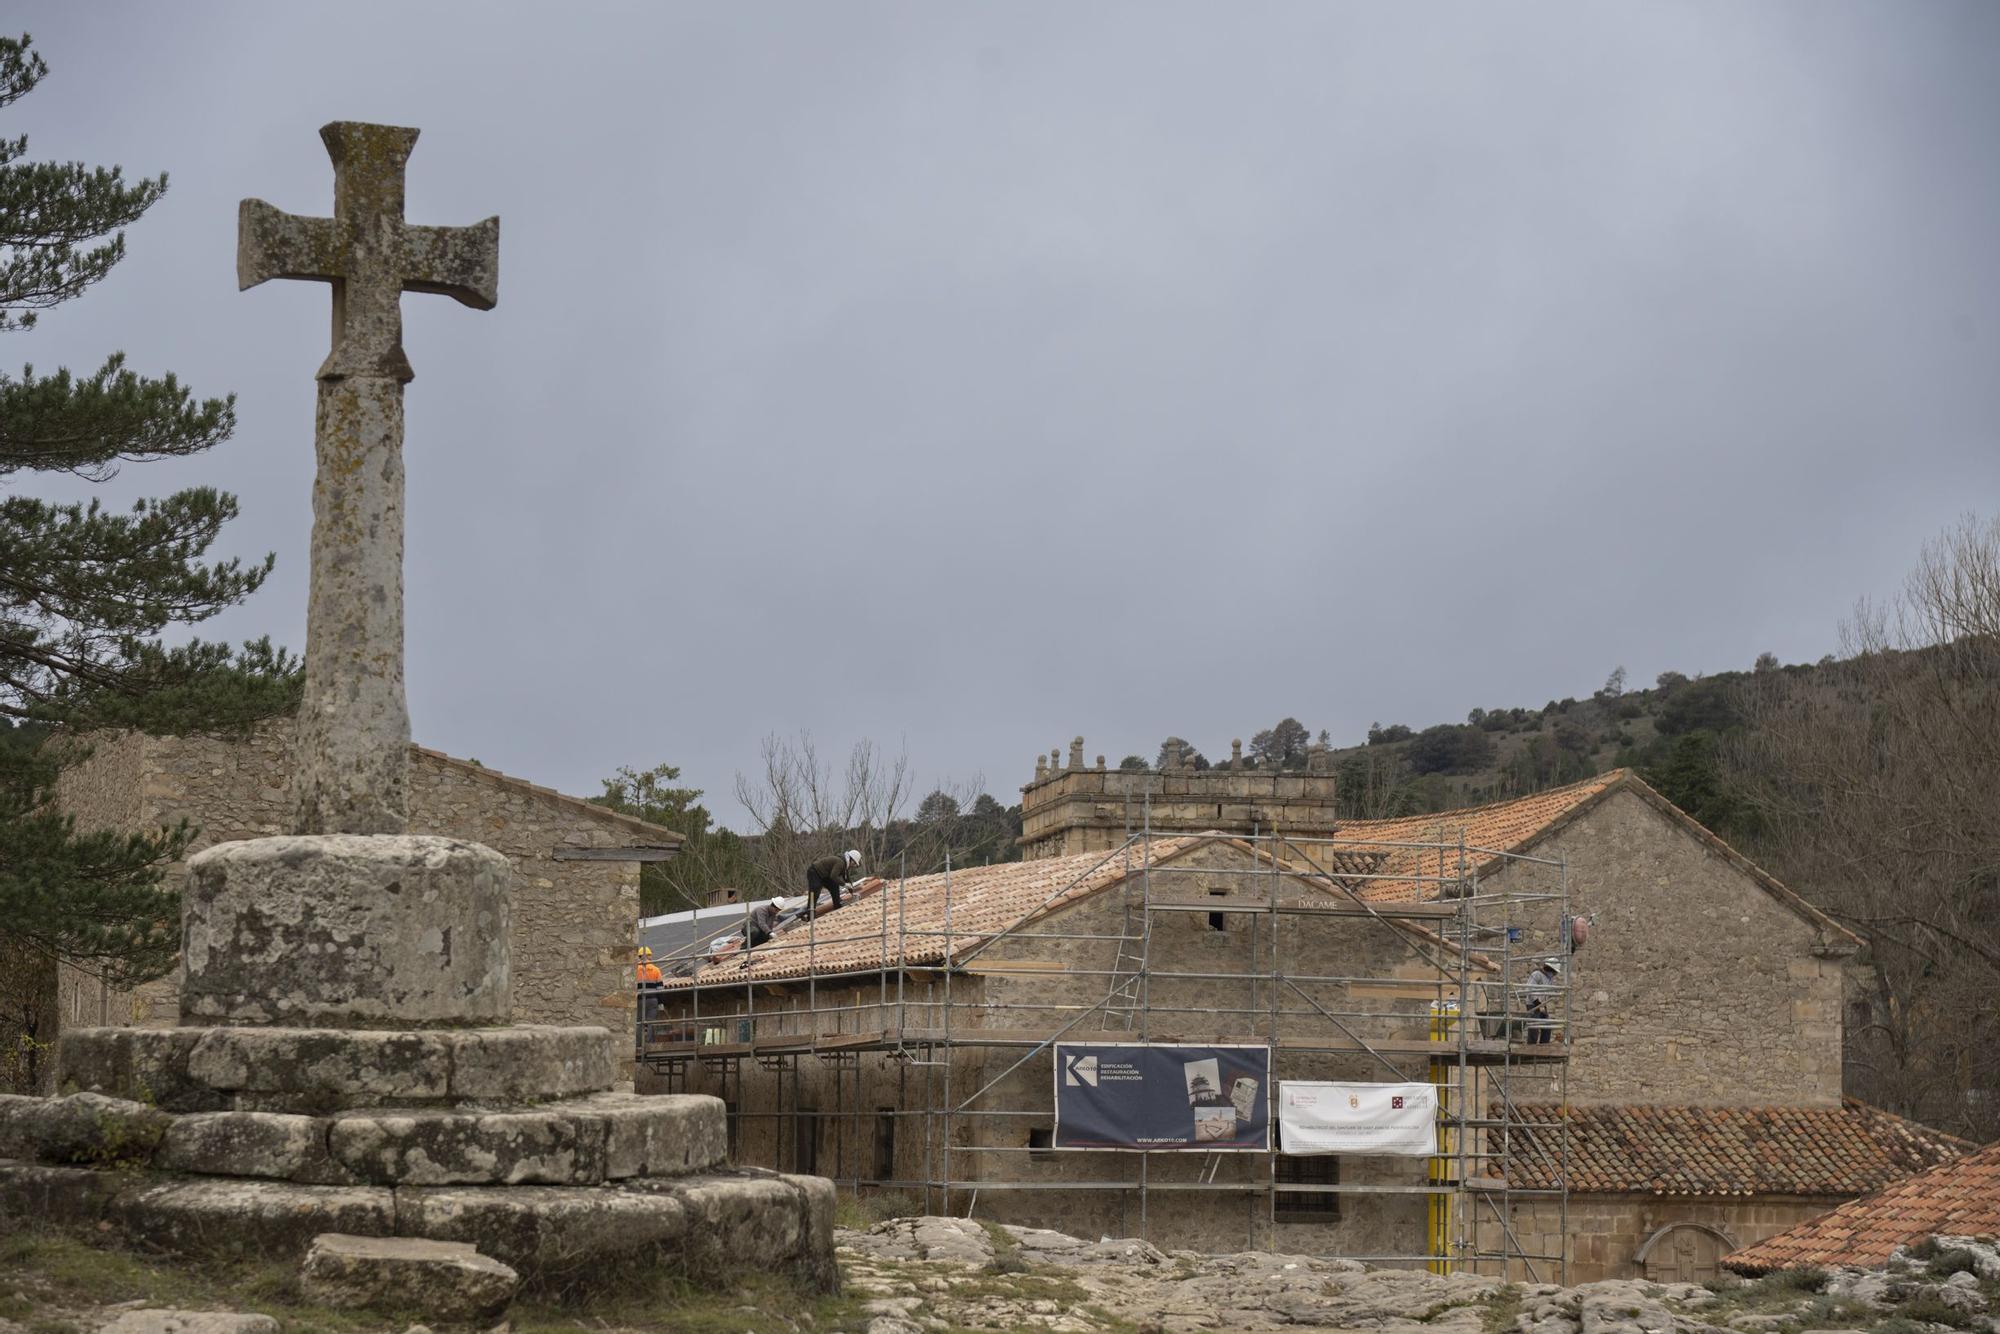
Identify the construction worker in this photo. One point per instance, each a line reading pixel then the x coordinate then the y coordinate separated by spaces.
pixel 831 874
pixel 1544 983
pixel 760 926
pixel 648 970
pixel 649 993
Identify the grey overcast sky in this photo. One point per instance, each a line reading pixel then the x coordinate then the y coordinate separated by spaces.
pixel 973 376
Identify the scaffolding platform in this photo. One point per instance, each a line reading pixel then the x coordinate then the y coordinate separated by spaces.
pixel 1467 935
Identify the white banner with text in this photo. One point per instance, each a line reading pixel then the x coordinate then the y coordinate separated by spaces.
pixel 1398 1119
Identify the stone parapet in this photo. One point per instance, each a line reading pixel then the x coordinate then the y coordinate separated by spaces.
pixel 1079 809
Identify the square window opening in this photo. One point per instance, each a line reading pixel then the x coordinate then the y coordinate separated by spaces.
pixel 1308 1206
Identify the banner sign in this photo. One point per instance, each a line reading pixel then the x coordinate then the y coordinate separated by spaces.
pixel 1398 1119
pixel 1134 1095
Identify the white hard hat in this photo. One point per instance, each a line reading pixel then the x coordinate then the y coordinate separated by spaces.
pixel 853 857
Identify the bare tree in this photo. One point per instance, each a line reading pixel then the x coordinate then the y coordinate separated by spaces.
pixel 1878 786
pixel 803 808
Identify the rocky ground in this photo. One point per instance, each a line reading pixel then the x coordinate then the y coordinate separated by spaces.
pixel 923 1274
pixel 946 1275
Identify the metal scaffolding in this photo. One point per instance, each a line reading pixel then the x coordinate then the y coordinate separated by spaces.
pixel 1473 921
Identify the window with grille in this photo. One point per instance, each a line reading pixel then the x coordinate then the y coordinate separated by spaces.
pixel 1308 1206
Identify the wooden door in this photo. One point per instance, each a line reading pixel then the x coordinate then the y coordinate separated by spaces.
pixel 1685 1254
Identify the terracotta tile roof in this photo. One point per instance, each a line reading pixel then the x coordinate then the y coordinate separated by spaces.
pixel 1657 1150
pixel 985 900
pixel 1515 826
pixel 1499 827
pixel 1956 1198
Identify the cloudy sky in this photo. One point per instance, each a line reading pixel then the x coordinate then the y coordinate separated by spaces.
pixel 967 377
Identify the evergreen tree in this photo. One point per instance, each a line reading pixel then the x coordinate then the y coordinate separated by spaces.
pixel 710 858
pixel 86 592
pixel 1282 746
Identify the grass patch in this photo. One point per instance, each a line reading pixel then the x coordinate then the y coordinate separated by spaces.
pixel 1955 1261
pixel 1498 1312
pixel 52 1273
pixel 1022 1287
pixel 1773 1292
pixel 858 1213
pixel 1006 1250
pixel 1797 1280
pixel 1931 1311
pixel 760 1304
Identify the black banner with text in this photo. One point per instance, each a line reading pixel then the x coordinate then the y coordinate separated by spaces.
pixel 1144 1096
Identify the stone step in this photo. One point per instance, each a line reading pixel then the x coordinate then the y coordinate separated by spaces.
pixel 574 1142
pixel 314 1071
pixel 701 1225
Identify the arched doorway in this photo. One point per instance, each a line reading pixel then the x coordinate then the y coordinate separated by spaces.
pixel 1683 1253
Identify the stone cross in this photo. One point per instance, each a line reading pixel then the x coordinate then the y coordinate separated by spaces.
pixel 352 755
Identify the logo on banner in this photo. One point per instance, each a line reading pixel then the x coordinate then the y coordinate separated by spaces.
pixel 1080 1070
pixel 1397 1102
pixel 1353 1100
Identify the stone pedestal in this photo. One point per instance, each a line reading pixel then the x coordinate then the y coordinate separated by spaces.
pixel 344 1065
pixel 347 930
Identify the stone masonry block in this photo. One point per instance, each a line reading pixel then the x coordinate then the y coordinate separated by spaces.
pixel 659 1135
pixel 446 1281
pixel 267 1218
pixel 93 1129
pixel 143 1064
pixel 741 1215
pixel 547 1232
pixel 17 1125
pixel 250 1144
pixel 310 1069
pixel 386 931
pixel 542 1146
pixel 39 1194
pixel 530 1062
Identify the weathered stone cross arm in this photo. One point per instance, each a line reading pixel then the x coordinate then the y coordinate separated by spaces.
pixel 366 250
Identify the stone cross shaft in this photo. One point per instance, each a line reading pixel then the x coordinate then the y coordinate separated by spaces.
pixel 352 754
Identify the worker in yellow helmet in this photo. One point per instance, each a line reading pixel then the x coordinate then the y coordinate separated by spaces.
pixel 648 970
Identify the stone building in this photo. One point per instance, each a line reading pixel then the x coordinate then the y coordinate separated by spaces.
pixel 903 1043
pixel 1070 808
pixel 577 864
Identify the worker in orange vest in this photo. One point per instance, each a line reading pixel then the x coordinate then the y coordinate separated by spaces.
pixel 648 970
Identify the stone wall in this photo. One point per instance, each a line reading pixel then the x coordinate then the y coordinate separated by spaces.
pixel 1070 808
pixel 1697 986
pixel 1679 1236
pixel 573 920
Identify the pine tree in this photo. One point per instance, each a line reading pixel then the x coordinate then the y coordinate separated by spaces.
pixel 86 592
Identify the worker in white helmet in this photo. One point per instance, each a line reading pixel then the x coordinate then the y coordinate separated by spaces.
pixel 760 925
pixel 832 874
